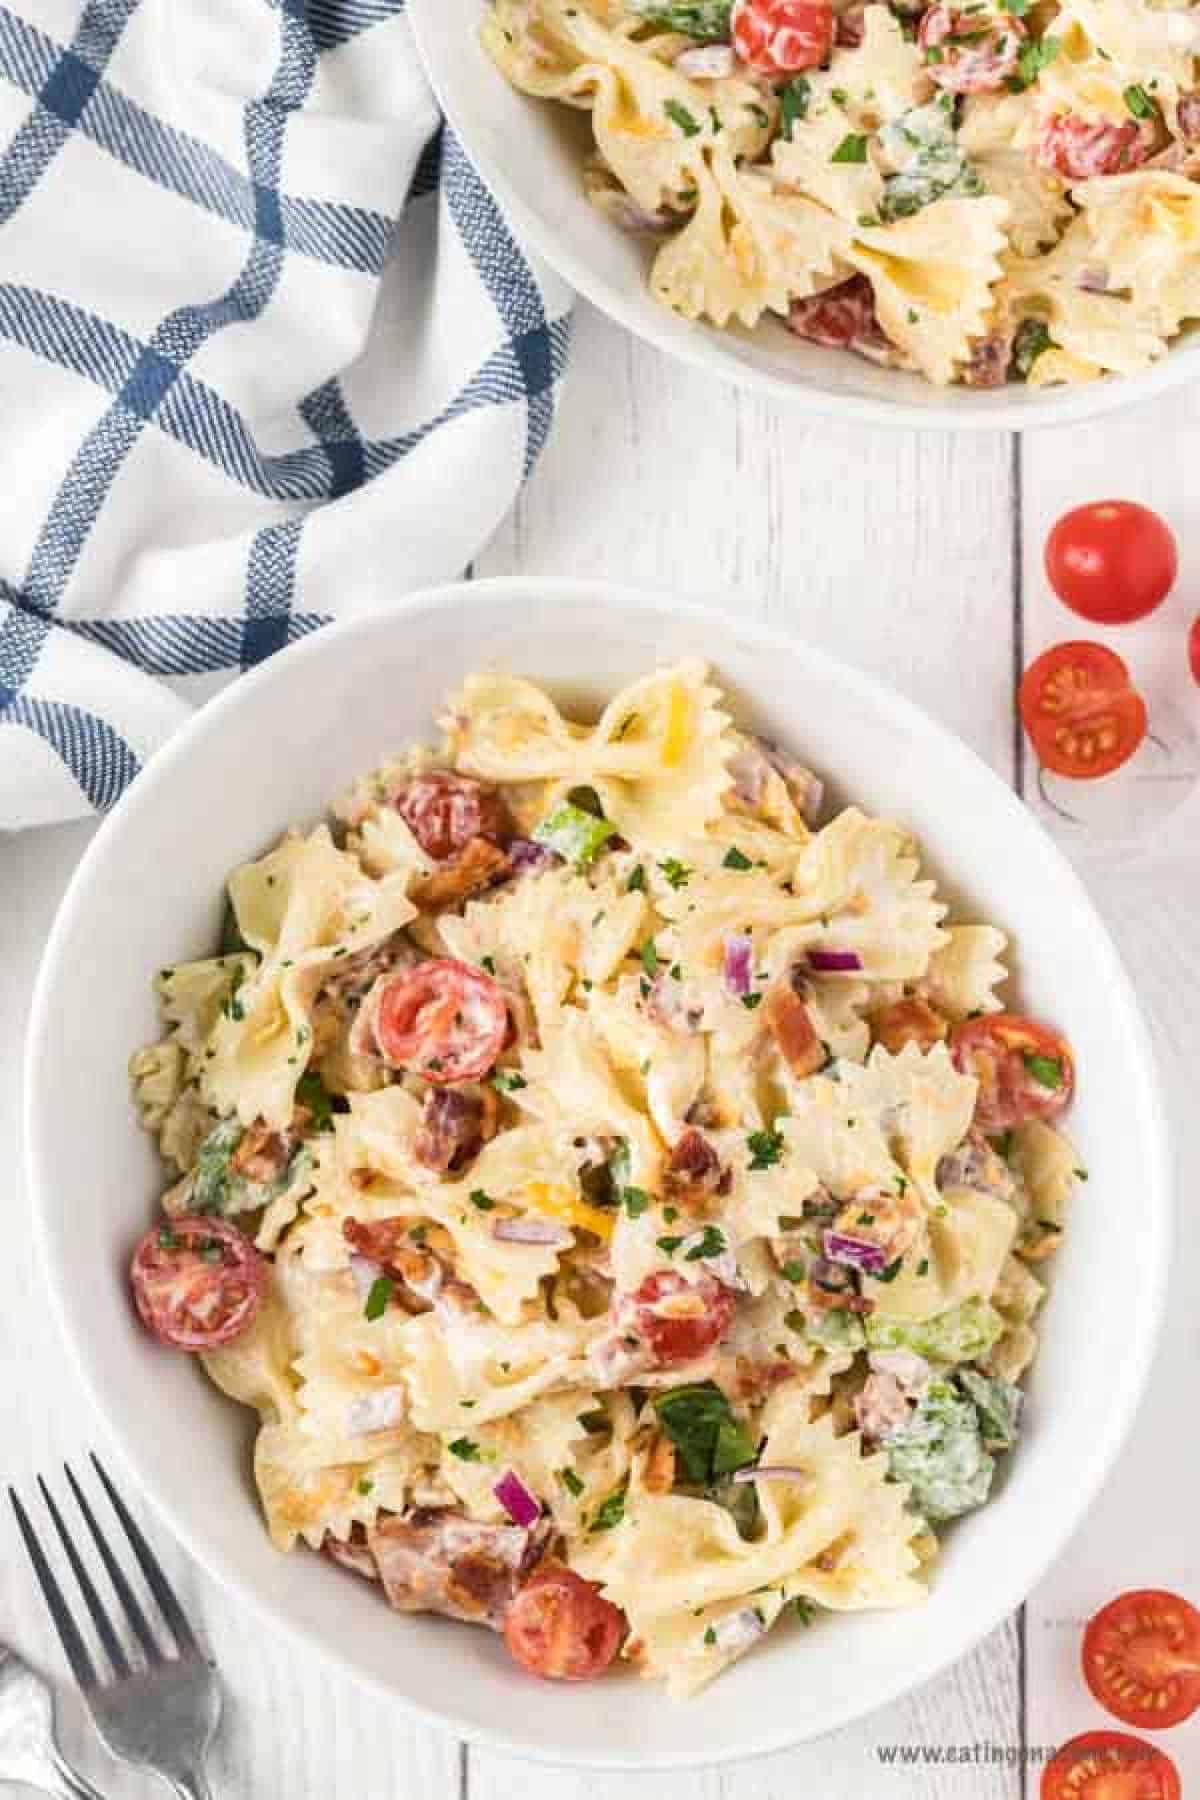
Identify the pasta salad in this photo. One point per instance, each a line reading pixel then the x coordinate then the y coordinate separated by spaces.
pixel 985 191
pixel 619 1193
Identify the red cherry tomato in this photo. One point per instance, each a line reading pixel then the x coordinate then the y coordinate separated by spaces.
pixel 444 1020
pixel 1110 1765
pixel 197 1282
pixel 681 1319
pixel 445 811
pixel 1194 649
pixel 561 1627
pixel 781 37
pixel 1082 150
pixel 970 52
pixel 1024 1070
pixel 1141 1658
pixel 1112 561
pixel 1082 712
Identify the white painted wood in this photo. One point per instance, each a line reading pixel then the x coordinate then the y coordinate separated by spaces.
pixel 1142 1531
pixel 895 551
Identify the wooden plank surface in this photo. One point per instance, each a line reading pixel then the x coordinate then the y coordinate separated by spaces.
pixel 899 552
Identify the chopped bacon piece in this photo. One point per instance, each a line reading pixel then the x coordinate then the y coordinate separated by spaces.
pixel 445 811
pixel 990 356
pixel 353 1555
pixel 911 1021
pixel 694 1171
pixel 478 865
pixel 848 26
pixel 436 1560
pixel 262 1154
pixel 1081 151
pixel 454 1127
pixel 794 1033
pixel 840 318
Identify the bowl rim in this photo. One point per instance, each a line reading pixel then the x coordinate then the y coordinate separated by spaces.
pixel 1071 405
pixel 500 593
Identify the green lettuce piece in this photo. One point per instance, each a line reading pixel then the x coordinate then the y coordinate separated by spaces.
pixel 963 1334
pixel 939 1455
pixel 212 1181
pixel 928 162
pixel 838 1329
pixel 697 18
pixel 998 1404
pixel 576 835
pixel 704 1429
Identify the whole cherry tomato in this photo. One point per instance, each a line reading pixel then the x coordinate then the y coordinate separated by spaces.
pixel 1112 561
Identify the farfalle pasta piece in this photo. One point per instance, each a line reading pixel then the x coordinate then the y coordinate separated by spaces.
pixel 807 163
pixel 665 1068
pixel 656 758
pixel 304 1496
pixel 876 80
pixel 468 1366
pixel 1145 234
pixel 997 135
pixel 966 970
pixel 933 276
pixel 923 1105
pixel 749 248
pixel 1107 330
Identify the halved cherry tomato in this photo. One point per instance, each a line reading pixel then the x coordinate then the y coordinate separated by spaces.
pixel 781 37
pixel 197 1282
pixel 1024 1070
pixel 1081 710
pixel 681 1319
pixel 968 50
pixel 561 1627
pixel 445 811
pixel 1141 1658
pixel 1194 649
pixel 444 1020
pixel 1110 1765
pixel 1112 561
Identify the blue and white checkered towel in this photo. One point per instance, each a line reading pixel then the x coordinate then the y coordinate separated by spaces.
pixel 268 354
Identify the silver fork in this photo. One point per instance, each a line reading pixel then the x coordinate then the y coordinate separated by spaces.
pixel 162 1714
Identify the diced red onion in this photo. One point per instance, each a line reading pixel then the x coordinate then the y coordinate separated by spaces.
pixel 737 1631
pixel 770 1472
pixel 532 1231
pixel 855 1252
pixel 1093 279
pixel 529 858
pixel 376 1411
pixel 707 62
pixel 365 1272
pixel 834 962
pixel 739 952
pixel 748 767
pixel 517 1500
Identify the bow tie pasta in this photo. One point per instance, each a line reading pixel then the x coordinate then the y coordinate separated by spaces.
pixel 977 193
pixel 615 1187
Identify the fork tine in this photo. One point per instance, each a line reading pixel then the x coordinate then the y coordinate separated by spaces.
pixel 125 1594
pixel 158 1584
pixel 76 1650
pixel 91 1599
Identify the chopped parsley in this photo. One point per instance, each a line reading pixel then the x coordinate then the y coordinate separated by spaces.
pixel 649 956
pixel 364 1486
pixel 1036 54
pixel 793 1270
pixel 852 149
pixel 1139 103
pixel 611 1511
pixel 507 1081
pixel 750 1001
pixel 465 1450
pixel 710 1636
pixel 637 880
pixel 379 1297
pixel 736 859
pixel 765 1147
pixel 1047 1071
pixel 668 1245
pixel 679 115
pixel 1031 340
pixel 793 104
pixel 712 1243
pixel 571 1482
pixel 312 1093
pixel 167 1239
pixel 488 963
pixel 674 872
pixel 635 1200
pixel 482 1200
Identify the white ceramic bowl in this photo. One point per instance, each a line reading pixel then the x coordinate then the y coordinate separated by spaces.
pixel 530 154
pixel 274 749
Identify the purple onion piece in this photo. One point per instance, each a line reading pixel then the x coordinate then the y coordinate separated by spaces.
pixel 834 962
pixel 517 1500
pixel 529 858
pixel 739 952
pixel 532 1231
pixel 855 1253
pixel 737 1631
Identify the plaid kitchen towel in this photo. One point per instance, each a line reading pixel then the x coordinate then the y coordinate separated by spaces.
pixel 268 355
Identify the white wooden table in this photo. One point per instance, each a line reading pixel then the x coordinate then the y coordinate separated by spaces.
pixel 917 556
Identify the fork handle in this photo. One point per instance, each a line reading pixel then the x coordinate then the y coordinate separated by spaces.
pixel 74 1786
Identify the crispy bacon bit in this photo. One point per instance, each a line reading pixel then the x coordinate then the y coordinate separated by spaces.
pixel 445 811
pixel 694 1171
pixel 793 1031
pixel 379 1240
pixel 911 1021
pixel 439 1561
pixel 840 318
pixel 478 865
pixel 848 26
pixel 353 1555
pixel 755 1378
pixel 880 1407
pixel 262 1154
pixel 454 1127
pixel 990 356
